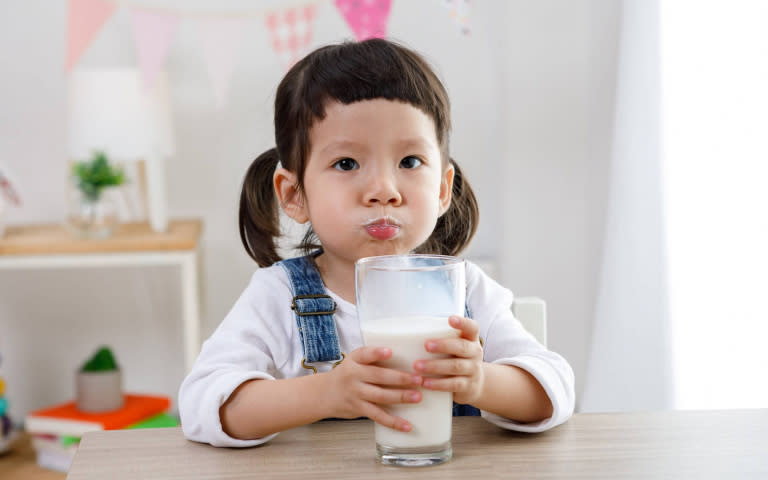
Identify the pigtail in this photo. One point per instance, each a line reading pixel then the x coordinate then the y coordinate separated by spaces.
pixel 456 227
pixel 259 210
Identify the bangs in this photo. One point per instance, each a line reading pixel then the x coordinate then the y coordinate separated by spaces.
pixel 353 72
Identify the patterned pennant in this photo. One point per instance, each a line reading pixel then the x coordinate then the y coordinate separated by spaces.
pixel 459 11
pixel 291 32
pixel 152 33
pixel 220 38
pixel 367 18
pixel 86 17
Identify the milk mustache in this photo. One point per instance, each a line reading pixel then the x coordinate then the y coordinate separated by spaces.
pixel 430 418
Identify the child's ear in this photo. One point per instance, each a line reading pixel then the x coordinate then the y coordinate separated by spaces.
pixel 290 198
pixel 446 188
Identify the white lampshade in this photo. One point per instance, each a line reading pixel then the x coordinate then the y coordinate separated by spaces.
pixel 110 110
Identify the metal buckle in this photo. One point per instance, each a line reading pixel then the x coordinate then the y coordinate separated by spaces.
pixel 305 314
pixel 314 369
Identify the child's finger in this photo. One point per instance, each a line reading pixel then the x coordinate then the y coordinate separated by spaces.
pixel 458 347
pixel 468 327
pixel 447 384
pixel 368 355
pixel 446 366
pixel 380 416
pixel 387 376
pixel 389 396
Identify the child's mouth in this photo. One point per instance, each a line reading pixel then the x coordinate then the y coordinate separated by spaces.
pixel 382 229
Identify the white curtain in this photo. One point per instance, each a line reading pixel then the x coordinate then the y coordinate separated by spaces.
pixel 715 130
pixel 629 366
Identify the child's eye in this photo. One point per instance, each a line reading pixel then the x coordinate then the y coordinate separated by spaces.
pixel 346 164
pixel 410 162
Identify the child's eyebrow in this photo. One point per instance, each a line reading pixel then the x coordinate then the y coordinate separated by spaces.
pixel 343 145
pixel 418 143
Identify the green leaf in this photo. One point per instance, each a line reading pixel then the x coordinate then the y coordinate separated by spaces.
pixel 102 360
pixel 94 175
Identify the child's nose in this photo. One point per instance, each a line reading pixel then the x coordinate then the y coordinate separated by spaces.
pixel 382 190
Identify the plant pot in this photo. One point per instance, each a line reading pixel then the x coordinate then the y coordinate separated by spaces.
pixel 92 218
pixel 99 391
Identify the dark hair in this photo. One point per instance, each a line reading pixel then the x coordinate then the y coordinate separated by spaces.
pixel 348 72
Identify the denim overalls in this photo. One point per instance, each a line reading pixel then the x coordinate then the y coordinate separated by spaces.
pixel 314 311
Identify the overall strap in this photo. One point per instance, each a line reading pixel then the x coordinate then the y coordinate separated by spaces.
pixel 314 311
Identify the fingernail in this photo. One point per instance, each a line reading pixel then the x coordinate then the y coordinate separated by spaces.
pixel 431 346
pixel 416 380
pixel 405 427
pixel 384 351
pixel 454 320
pixel 427 383
pixel 414 397
pixel 419 366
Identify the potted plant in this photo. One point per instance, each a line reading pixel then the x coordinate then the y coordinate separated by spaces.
pixel 99 383
pixel 92 215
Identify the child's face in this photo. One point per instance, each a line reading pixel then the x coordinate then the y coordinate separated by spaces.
pixel 374 182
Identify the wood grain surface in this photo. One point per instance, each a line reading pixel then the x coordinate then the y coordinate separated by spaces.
pixel 128 237
pixel 669 444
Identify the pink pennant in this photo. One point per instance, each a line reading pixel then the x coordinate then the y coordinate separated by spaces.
pixel 220 37
pixel 367 18
pixel 152 33
pixel 291 32
pixel 86 17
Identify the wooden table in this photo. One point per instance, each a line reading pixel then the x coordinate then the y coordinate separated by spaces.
pixel 131 245
pixel 729 444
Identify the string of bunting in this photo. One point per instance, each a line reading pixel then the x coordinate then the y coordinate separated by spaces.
pixel 290 29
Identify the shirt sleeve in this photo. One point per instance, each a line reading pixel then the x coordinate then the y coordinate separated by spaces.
pixel 242 348
pixel 507 342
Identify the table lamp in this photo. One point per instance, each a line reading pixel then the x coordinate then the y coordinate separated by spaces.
pixel 111 110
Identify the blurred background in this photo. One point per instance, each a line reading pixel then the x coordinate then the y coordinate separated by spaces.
pixel 617 149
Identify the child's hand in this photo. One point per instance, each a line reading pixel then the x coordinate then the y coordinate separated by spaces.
pixel 360 388
pixel 461 374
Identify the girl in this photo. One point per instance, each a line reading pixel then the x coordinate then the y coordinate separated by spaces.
pixel 362 158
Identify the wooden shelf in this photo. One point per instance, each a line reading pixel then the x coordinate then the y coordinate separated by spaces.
pixel 131 245
pixel 128 237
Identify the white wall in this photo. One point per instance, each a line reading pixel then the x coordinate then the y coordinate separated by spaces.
pixel 531 89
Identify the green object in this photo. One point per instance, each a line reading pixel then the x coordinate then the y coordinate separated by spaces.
pixel 66 440
pixel 94 175
pixel 162 420
pixel 102 361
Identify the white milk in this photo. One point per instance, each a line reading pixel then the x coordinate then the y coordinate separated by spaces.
pixel 430 418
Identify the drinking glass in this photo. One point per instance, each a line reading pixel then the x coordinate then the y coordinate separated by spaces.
pixel 402 301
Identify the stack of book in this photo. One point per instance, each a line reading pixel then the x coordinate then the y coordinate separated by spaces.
pixel 7 432
pixel 56 430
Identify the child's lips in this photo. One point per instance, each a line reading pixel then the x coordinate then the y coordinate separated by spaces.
pixel 382 228
pixel 382 231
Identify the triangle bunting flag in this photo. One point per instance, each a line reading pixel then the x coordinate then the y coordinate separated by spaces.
pixel 220 38
pixel 152 33
pixel 291 31
pixel 459 11
pixel 366 18
pixel 85 19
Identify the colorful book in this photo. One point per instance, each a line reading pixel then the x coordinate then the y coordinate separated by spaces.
pixel 56 452
pixel 67 420
pixel 52 453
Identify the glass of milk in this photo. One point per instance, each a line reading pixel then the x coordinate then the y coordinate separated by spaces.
pixel 402 301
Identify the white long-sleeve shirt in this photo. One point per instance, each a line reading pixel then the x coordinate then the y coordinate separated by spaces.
pixel 259 339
